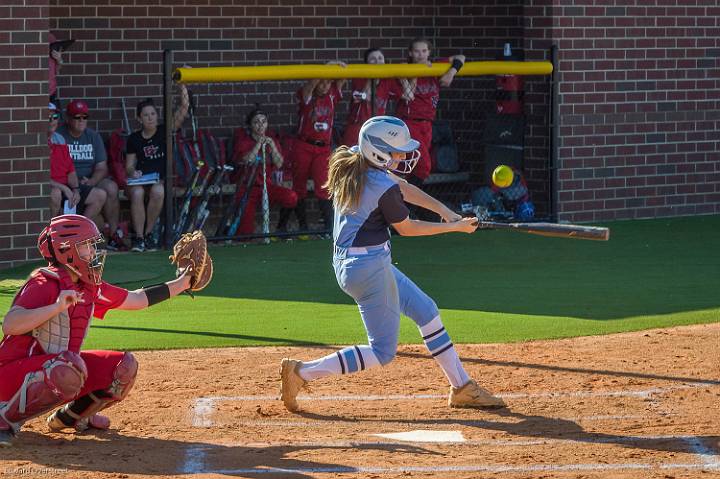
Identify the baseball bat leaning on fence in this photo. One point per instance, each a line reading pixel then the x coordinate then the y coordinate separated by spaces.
pixel 556 230
pixel 185 210
pixel 233 214
pixel 265 201
pixel 203 210
pixel 243 201
pixel 193 121
pixel 226 219
pixel 126 122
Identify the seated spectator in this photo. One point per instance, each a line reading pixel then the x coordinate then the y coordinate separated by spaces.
pixel 64 184
pixel 251 146
pixel 90 159
pixel 146 153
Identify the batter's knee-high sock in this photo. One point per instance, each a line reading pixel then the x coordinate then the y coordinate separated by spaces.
pixel 441 347
pixel 346 361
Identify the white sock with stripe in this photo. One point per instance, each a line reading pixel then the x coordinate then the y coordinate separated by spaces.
pixel 346 361
pixel 441 347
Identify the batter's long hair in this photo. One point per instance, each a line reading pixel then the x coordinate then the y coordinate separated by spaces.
pixel 346 178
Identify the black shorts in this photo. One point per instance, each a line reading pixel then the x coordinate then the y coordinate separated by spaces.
pixel 84 192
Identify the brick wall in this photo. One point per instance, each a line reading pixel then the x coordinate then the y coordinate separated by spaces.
pixel 639 98
pixel 119 52
pixel 640 108
pixel 23 123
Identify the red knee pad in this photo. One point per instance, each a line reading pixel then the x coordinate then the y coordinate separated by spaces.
pixel 124 377
pixel 65 375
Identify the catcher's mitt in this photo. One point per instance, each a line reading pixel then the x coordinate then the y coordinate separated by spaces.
pixel 190 254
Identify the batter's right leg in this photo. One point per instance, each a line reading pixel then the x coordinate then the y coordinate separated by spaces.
pixel 372 285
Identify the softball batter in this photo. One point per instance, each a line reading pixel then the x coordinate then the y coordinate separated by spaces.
pixel 368 198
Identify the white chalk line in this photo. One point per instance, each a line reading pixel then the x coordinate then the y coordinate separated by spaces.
pixel 203 407
pixel 461 468
pixel 467 422
pixel 710 458
pixel 702 451
pixel 194 462
pixel 513 395
pixel 196 455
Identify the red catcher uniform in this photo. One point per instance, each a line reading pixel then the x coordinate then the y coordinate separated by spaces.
pixel 419 114
pixel 20 355
pixel 361 111
pixel 277 194
pixel 312 150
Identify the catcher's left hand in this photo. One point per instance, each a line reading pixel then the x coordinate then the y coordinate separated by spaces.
pixel 190 256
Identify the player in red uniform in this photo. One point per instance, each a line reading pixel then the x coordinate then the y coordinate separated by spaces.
pixel 317 101
pixel 249 147
pixel 41 363
pixel 361 107
pixel 419 103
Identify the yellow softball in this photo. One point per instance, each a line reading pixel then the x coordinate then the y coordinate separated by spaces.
pixel 502 177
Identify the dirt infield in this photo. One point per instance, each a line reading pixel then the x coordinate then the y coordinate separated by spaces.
pixel 623 406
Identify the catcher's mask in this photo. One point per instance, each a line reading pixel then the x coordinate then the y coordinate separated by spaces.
pixel 75 242
pixel 381 136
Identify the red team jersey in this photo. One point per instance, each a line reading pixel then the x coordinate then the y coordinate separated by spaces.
pixel 42 289
pixel 245 143
pixel 316 116
pixel 385 89
pixel 424 105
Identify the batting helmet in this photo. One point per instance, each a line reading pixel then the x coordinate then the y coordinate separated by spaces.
pixel 381 136
pixel 75 242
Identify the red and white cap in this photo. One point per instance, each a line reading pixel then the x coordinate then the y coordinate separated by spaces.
pixel 77 107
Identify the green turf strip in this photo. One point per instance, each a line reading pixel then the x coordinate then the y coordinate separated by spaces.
pixel 492 286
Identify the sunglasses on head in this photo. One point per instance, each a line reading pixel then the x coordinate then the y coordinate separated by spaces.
pixel 80 117
pixel 54 116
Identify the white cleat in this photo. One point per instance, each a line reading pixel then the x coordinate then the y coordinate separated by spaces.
pixel 96 421
pixel 473 396
pixel 290 383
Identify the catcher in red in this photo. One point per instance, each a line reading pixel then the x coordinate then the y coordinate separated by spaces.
pixel 42 366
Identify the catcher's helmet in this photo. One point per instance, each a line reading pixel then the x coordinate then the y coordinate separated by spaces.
pixel 75 242
pixel 380 136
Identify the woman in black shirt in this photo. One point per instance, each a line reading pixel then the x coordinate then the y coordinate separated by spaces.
pixel 145 154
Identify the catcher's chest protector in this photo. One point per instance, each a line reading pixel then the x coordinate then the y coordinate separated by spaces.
pixel 67 330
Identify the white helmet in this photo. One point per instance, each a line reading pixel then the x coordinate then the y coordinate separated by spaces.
pixel 380 136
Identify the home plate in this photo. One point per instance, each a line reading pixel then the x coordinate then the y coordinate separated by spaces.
pixel 423 435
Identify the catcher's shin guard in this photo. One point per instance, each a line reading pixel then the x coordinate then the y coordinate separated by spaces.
pixel 79 413
pixel 59 381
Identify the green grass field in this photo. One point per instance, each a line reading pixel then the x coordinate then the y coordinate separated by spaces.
pixel 492 286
